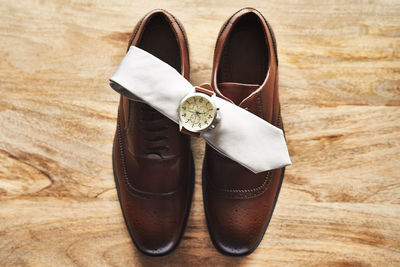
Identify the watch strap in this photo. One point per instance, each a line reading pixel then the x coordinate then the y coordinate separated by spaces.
pixel 205 89
pixel 185 131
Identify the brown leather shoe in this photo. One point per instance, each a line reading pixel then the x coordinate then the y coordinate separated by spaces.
pixel 152 160
pixel 238 203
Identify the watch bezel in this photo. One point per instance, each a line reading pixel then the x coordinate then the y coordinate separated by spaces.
pixel 210 99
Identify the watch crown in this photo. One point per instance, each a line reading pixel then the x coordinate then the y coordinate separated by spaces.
pixel 212 126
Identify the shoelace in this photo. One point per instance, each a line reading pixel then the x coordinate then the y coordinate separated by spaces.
pixel 154 126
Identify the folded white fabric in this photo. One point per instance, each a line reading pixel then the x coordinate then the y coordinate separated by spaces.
pixel 239 134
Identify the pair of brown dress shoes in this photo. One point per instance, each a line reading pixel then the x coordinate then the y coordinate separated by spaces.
pixel 152 159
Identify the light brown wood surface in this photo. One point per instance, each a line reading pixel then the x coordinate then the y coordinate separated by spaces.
pixel 340 96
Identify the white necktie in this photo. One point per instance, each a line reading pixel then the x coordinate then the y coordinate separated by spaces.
pixel 239 134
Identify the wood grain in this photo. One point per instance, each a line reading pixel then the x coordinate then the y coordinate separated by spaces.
pixel 340 95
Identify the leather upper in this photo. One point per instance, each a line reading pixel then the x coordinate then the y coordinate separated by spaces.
pixel 152 159
pixel 239 203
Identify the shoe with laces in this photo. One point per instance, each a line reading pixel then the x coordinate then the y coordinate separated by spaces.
pixel 238 203
pixel 152 160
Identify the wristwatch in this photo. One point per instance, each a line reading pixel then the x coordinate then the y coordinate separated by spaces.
pixel 197 112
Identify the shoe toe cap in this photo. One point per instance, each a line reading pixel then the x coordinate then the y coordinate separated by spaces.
pixel 237 230
pixel 155 228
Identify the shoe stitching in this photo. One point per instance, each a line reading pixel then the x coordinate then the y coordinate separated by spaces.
pixel 251 190
pixel 240 193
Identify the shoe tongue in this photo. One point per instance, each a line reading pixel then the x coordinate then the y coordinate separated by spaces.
pixel 237 92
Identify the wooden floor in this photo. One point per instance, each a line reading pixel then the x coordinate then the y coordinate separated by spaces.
pixel 340 95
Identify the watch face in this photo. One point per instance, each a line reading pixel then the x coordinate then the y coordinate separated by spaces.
pixel 196 112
